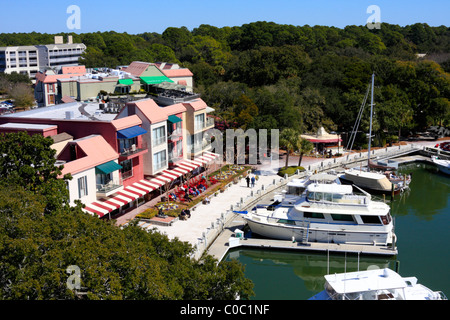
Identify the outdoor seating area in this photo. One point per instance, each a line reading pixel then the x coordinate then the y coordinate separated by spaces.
pixel 183 199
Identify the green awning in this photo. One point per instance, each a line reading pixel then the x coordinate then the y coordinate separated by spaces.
pixel 127 82
pixel 107 167
pixel 155 80
pixel 174 119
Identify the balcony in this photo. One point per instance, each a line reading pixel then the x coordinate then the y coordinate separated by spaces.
pixel 175 135
pixel 202 125
pixel 132 152
pixel 112 186
pixel 175 157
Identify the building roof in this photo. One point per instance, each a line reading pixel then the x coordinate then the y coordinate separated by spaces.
pixel 63 136
pixel 174 73
pixel 136 68
pixel 96 151
pixel 73 69
pixel 322 137
pixel 155 113
pixel 196 105
pixel 28 126
pixel 126 122
pixel 52 78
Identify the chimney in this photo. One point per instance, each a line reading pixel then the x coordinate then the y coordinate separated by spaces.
pixel 59 40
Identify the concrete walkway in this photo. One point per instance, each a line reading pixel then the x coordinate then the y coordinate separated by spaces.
pixel 191 230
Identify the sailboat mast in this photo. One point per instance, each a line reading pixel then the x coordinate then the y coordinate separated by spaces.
pixel 371 113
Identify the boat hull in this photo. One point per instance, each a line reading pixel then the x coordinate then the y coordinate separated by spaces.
pixel 315 233
pixel 370 190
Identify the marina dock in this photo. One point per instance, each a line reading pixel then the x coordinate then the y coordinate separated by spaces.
pixel 227 240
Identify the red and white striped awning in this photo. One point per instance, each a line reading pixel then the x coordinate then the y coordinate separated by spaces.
pixel 126 195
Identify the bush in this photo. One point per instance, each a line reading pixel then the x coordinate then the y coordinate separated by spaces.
pixel 289 170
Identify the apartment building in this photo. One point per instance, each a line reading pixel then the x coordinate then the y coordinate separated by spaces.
pixel 31 59
pixel 118 161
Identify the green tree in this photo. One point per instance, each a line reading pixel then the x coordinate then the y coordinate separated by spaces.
pixel 29 161
pixel 289 140
pixel 304 147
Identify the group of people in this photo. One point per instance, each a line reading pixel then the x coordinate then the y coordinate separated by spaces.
pixel 185 214
pixel 252 180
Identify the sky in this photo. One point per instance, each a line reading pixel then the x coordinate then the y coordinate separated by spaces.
pixel 137 16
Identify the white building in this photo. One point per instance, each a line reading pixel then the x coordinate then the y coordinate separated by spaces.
pixel 31 59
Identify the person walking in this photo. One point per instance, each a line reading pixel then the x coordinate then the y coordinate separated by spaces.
pixel 248 181
pixel 253 181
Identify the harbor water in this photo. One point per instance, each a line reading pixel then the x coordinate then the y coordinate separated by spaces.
pixel 422 221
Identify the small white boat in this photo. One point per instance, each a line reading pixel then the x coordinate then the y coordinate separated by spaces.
pixel 376 284
pixel 443 165
pixel 326 213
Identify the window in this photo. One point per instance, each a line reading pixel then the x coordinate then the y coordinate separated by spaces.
pixel 314 215
pixel 158 136
pixel 199 122
pixel 285 221
pixel 127 168
pixel 342 217
pixel 125 144
pixel 371 219
pixel 159 160
pixel 82 187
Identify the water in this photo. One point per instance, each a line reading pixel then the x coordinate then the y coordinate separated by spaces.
pixel 422 220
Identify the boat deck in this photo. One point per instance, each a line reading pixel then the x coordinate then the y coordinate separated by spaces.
pixel 222 244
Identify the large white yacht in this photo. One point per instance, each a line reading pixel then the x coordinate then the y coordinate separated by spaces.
pixel 376 284
pixel 325 212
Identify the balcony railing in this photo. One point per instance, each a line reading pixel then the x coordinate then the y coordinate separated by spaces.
pixel 107 188
pixel 126 152
pixel 174 157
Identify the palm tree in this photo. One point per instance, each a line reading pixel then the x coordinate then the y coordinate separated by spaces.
pixel 305 147
pixel 289 140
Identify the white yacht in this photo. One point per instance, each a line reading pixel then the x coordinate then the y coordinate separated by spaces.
pixel 325 212
pixel 443 165
pixel 376 284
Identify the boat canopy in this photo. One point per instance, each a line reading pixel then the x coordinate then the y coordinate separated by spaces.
pixel 330 188
pixel 368 280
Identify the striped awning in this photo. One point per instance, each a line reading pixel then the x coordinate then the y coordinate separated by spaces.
pixel 126 195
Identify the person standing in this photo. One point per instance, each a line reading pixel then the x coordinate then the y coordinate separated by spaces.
pixel 248 181
pixel 253 181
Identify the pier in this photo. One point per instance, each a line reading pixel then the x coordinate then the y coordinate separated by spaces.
pixel 227 240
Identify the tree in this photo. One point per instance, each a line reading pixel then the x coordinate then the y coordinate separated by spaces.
pixel 304 147
pixel 22 94
pixel 289 140
pixel 29 161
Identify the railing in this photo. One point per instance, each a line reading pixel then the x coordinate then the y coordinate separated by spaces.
pixel 108 187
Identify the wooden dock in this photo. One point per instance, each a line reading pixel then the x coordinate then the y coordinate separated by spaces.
pixel 222 244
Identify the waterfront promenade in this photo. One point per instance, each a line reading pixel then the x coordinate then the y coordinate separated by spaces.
pixel 208 221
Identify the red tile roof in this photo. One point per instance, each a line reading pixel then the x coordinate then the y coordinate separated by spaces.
pixel 175 73
pixel 136 68
pixel 96 151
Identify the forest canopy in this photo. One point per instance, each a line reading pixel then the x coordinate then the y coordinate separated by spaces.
pixel 302 77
